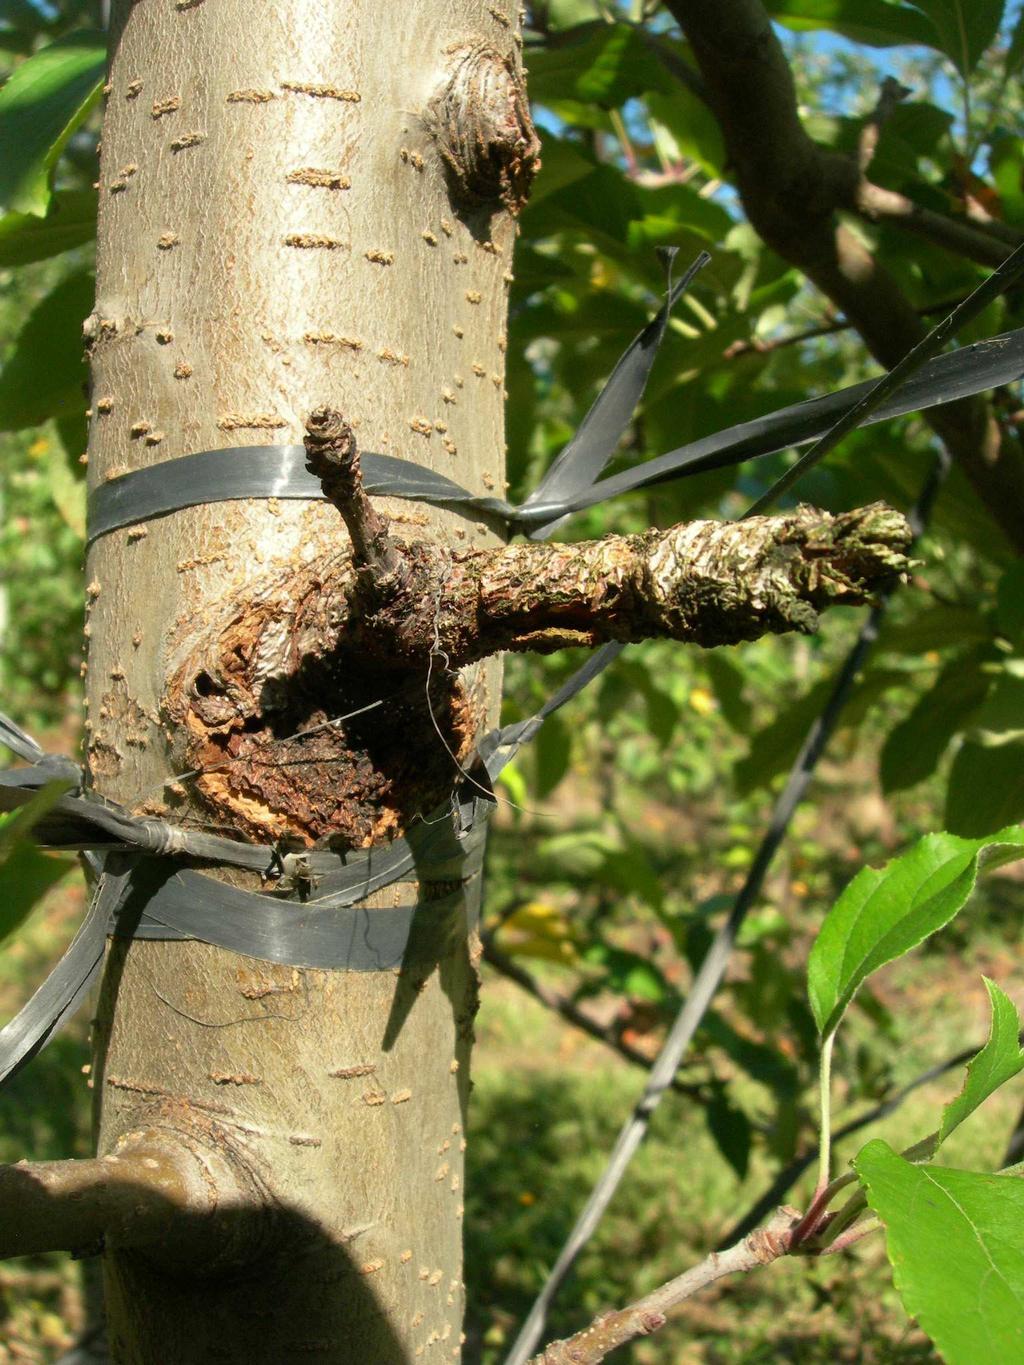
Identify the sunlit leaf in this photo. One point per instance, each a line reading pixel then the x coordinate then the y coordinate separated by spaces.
pixel 999 1061
pixel 45 99
pixel 539 929
pixel 885 912
pixel 954 1241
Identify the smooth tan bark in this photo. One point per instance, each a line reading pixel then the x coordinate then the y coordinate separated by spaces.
pixel 276 232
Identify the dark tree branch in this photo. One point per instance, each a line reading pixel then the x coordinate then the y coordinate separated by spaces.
pixel 793 191
pixel 880 205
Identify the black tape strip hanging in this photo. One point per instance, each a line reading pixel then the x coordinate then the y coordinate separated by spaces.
pixel 58 998
pixel 961 374
pixel 279 471
pixel 580 464
pixel 979 299
pixel 500 747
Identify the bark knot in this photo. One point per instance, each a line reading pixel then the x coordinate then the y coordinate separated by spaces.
pixel 480 120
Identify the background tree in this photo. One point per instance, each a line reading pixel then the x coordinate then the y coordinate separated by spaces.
pixel 600 200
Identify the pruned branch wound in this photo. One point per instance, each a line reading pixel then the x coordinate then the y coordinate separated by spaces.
pixel 330 705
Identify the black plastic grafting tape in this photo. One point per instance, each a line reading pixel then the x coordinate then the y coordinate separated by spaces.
pixel 58 998
pixel 581 463
pixel 151 899
pixel 960 374
pixel 236 472
pixel 279 471
pixel 158 903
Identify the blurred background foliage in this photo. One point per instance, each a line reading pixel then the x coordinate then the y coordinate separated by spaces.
pixel 627 826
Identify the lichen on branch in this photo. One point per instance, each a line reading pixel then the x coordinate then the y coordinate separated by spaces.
pixel 705 582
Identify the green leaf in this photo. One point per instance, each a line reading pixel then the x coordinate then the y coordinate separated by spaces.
pixel 1015 52
pixel 64 471
pixel 18 824
pixel 731 1130
pixel 25 873
pixel 965 28
pixel 999 1061
pixel 560 14
pixel 20 14
pixel 21 23
pixel 877 23
pixel 552 749
pixel 70 221
pixel 911 131
pixel 1010 601
pixel 46 98
pixel 1000 720
pixel 914 748
pixel 986 787
pixel 596 63
pixel 562 163
pixel 884 913
pixel 627 973
pixel 691 130
pixel 955 1245
pixel 936 627
pixel 760 1061
pixel 44 375
pixel 728 681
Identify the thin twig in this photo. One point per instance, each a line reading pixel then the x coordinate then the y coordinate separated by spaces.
pixel 611 1330
pixel 332 455
pixel 889 96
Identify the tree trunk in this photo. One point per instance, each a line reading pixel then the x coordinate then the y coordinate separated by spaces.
pixel 299 204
